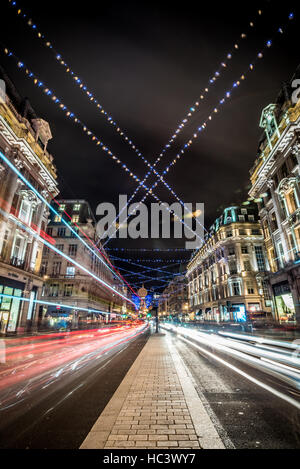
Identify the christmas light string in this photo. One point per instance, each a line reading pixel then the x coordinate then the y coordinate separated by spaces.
pixel 79 82
pixel 202 127
pixel 33 26
pixel 192 110
pixel 88 132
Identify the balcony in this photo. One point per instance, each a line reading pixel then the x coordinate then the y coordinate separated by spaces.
pixel 16 262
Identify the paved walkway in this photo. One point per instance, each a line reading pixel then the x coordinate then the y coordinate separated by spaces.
pixel 155 406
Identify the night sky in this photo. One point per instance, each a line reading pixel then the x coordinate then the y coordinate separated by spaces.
pixel 147 62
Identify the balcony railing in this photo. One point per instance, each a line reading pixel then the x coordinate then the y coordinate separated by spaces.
pixel 16 262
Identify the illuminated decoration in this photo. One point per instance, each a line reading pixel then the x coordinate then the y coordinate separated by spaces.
pixel 58 305
pixel 142 293
pixel 44 241
pixel 80 83
pixel 189 143
pixel 100 144
pixel 76 79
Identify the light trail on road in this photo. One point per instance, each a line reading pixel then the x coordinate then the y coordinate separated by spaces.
pixel 278 359
pixel 35 363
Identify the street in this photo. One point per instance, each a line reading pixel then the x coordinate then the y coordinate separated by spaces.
pixel 57 408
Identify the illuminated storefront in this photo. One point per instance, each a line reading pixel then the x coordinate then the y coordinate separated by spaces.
pixel 284 303
pixel 10 307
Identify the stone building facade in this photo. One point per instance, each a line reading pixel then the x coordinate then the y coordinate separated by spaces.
pixel 173 302
pixel 275 187
pixel 23 142
pixel 227 275
pixel 65 283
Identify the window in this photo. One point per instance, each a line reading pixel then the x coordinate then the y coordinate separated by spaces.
pixel 49 231
pixel 72 249
pixel 266 290
pixel 250 289
pixel 236 289
pixel 244 211
pixel 242 232
pixel 68 289
pixel 250 217
pixel 260 258
pixel 61 232
pixel 53 291
pixel 284 170
pixel 255 232
pixel 44 267
pixel 70 272
pixel 244 249
pixel 76 207
pixel 292 201
pixel 274 225
pixel 18 248
pixel 25 210
pixel 5 244
pixel 57 219
pixel 247 266
pixel 231 251
pixel 228 234
pixel 56 268
pixel 232 268
pixel 62 207
pixel 60 247
pixel 75 218
pixel 241 218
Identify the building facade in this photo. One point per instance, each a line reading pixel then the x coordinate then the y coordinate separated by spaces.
pixel 23 141
pixel 173 302
pixel 66 284
pixel 275 187
pixel 227 276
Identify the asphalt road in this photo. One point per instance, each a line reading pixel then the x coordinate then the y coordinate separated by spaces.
pixel 245 415
pixel 61 415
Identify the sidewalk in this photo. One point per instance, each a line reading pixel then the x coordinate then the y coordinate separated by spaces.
pixel 155 406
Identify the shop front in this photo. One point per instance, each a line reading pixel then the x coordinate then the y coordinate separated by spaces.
pixel 284 303
pixel 239 312
pixel 10 308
